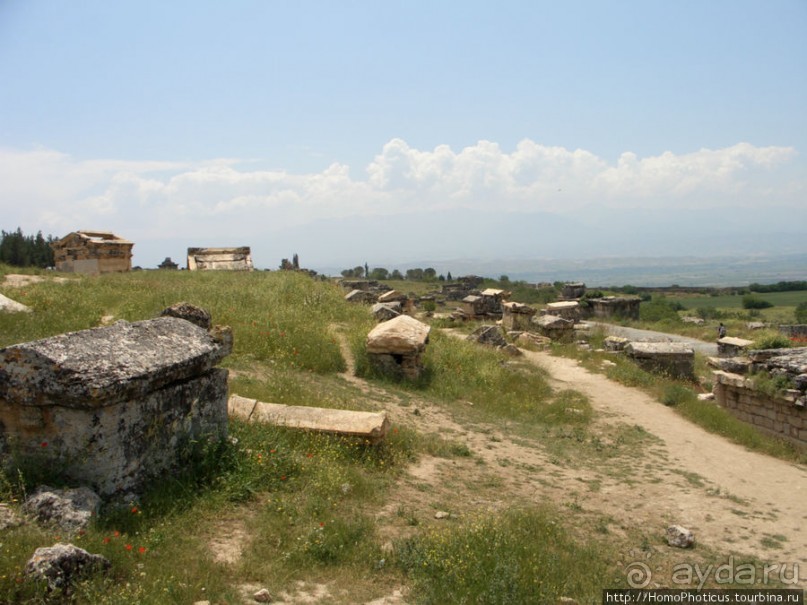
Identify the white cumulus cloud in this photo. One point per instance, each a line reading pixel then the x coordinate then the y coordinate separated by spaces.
pixel 52 191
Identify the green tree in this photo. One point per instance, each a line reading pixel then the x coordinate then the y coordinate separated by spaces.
pixel 20 250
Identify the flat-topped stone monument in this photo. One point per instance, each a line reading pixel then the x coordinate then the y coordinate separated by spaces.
pixel 395 347
pixel 111 407
pixel 673 358
pixel 729 346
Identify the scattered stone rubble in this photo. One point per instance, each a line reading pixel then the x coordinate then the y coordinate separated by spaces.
pixel 488 335
pixel 114 406
pixel 487 304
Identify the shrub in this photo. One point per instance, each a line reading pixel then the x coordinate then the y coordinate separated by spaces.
pixel 772 340
pixel 658 309
pixel 754 302
pixel 675 394
pixel 801 313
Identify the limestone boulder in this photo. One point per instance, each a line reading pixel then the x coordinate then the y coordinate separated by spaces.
pixel 68 509
pixel 61 565
pixel 680 537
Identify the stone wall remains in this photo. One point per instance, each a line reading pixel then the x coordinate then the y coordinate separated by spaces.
pixel 781 416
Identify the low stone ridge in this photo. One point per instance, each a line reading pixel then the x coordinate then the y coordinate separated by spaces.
pixel 369 426
pixel 61 565
pixel 107 365
pixel 69 509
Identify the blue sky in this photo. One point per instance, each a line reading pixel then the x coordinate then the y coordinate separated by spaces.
pixel 289 126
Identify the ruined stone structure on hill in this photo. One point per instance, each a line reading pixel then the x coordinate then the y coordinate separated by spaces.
pixel 92 253
pixel 220 259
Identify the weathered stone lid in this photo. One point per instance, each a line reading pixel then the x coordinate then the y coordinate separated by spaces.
pixel 655 349
pixel 399 336
pixel 515 307
pixel 566 304
pixel 107 365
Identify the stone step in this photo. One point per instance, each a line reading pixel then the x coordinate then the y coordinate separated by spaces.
pixel 370 426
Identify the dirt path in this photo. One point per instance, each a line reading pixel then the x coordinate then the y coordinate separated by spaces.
pixel 758 501
pixel 736 502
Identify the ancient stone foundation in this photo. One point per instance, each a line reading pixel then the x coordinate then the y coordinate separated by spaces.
pixel 784 415
pixel 115 406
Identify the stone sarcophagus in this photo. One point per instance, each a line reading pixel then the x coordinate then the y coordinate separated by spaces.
pixel 112 407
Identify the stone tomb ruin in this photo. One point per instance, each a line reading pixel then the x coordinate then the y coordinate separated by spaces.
pixel 395 347
pixel 112 407
pixel 220 259
pixel 92 252
pixel 671 358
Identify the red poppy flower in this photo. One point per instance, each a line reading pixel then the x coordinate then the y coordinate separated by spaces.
pixel 142 550
pixel 128 547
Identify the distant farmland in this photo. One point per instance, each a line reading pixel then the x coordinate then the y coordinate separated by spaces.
pixel 728 301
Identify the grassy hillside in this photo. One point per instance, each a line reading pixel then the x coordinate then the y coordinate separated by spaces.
pixel 298 507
